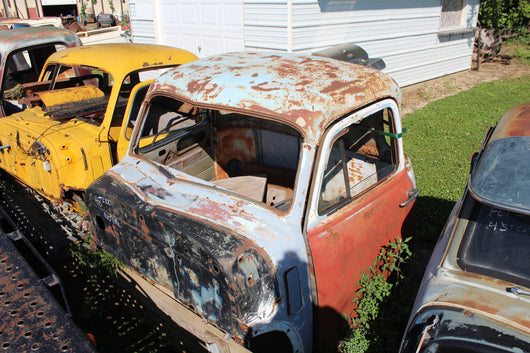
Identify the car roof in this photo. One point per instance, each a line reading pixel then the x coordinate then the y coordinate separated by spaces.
pixel 26 37
pixel 502 175
pixel 121 59
pixel 306 91
pixel 516 122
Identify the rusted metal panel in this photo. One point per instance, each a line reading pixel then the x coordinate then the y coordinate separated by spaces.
pixel 479 267
pixel 245 264
pixel 516 122
pixel 26 37
pixel 222 275
pixel 32 319
pixel 209 336
pixel 69 95
pixel 305 91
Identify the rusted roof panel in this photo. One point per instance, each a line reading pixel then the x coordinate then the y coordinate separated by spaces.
pixel 25 37
pixel 306 91
pixel 516 122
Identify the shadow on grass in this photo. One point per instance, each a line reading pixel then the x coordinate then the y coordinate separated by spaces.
pixel 387 329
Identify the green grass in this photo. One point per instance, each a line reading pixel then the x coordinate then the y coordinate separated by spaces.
pixel 519 47
pixel 442 136
pixel 440 140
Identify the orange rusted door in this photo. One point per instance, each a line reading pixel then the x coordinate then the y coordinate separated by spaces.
pixel 357 205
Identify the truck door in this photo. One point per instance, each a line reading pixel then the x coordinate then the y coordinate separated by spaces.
pixel 131 114
pixel 362 194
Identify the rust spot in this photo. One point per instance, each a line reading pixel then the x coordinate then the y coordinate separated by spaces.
pixel 516 122
pixel 264 87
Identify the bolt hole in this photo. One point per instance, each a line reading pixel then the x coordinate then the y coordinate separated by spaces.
pixel 100 222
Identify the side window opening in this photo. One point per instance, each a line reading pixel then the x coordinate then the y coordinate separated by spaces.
pixel 362 155
pixel 253 157
pixel 131 80
pixel 22 67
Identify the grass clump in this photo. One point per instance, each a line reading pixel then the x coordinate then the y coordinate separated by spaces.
pixel 519 47
pixel 97 259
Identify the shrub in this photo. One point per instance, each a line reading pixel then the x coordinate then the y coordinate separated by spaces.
pixel 505 15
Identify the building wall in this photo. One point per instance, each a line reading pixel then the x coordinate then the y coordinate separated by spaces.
pixel 204 27
pixel 416 39
pixel 34 9
pixel 407 34
pixel 18 8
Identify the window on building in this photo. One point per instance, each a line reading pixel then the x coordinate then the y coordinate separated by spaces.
pixel 451 13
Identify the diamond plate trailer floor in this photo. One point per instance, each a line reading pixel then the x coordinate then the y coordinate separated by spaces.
pixel 32 319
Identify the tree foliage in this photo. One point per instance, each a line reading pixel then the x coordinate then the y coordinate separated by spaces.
pixel 505 15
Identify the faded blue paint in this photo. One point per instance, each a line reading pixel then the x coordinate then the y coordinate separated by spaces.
pixel 303 91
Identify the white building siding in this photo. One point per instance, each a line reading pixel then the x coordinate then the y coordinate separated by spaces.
pixel 141 19
pixel 267 25
pixel 405 33
pixel 204 27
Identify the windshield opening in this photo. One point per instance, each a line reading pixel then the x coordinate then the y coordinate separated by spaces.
pixel 253 157
pixel 496 244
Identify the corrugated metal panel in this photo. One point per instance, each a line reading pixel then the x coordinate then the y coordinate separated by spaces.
pixel 143 31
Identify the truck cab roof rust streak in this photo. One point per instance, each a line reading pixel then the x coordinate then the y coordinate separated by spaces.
pixel 255 189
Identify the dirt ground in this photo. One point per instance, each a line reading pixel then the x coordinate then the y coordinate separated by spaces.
pixel 502 67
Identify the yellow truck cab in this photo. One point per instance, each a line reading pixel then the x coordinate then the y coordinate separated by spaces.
pixel 74 128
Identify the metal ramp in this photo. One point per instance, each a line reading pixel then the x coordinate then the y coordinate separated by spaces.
pixel 33 320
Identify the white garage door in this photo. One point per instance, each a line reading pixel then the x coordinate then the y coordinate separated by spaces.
pixel 204 27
